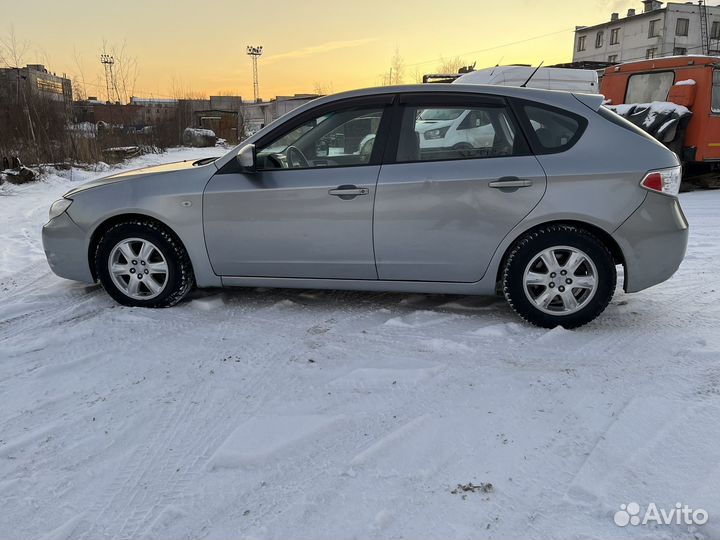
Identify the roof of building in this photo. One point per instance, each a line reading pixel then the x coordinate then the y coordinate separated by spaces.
pixel 152 101
pixel 637 14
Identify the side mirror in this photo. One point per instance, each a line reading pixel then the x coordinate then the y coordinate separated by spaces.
pixel 246 159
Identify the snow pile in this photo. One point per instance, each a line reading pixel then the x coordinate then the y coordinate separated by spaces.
pixel 686 82
pixel 326 414
pixel 199 137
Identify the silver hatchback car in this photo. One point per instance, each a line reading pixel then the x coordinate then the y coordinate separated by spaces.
pixel 457 189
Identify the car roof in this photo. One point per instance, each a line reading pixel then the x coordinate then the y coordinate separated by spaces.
pixel 497 90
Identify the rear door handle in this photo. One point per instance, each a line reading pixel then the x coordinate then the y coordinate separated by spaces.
pixel 510 182
pixel 348 192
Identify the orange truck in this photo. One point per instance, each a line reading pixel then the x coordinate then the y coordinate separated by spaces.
pixel 692 82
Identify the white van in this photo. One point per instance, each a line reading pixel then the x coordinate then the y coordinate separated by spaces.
pixel 584 81
pixel 454 129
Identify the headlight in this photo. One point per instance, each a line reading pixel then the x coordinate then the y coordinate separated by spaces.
pixel 58 207
pixel 436 133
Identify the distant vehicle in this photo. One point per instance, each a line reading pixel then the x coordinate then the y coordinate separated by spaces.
pixel 690 83
pixel 547 78
pixel 461 129
pixel 342 194
pixel 455 128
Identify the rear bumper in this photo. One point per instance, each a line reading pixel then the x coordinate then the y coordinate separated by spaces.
pixel 65 249
pixel 653 240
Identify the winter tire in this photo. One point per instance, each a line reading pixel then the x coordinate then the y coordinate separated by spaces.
pixel 141 264
pixel 559 275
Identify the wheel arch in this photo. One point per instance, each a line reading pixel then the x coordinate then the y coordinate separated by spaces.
pixel 604 236
pixel 105 225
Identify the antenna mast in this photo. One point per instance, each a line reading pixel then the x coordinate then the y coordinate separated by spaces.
pixel 108 61
pixel 255 52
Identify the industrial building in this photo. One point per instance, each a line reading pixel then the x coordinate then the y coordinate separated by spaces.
pixel 33 81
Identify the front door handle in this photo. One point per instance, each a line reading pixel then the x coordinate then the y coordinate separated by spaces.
pixel 510 182
pixel 348 192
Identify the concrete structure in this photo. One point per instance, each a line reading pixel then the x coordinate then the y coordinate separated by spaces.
pixel 652 32
pixel 231 118
pixel 33 81
pixel 258 114
pixel 156 111
pixel 93 111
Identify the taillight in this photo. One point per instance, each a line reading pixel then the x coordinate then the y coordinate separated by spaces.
pixel 663 181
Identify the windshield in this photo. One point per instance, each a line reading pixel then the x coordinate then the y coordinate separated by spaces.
pixel 440 114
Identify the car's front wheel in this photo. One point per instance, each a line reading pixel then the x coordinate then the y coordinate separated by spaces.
pixel 141 264
pixel 559 275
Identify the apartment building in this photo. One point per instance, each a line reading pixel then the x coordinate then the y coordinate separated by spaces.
pixel 655 31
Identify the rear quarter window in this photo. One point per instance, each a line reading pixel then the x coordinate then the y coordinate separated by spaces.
pixel 552 130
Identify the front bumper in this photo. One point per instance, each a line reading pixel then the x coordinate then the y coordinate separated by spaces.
pixel 653 240
pixel 66 249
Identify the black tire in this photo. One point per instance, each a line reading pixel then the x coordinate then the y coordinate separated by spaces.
pixel 530 246
pixel 180 278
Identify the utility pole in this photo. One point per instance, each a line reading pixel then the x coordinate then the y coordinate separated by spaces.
pixel 108 61
pixel 255 52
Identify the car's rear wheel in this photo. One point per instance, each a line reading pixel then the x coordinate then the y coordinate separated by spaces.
pixel 140 263
pixel 559 275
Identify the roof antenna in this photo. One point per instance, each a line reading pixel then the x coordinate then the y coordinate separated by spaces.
pixel 496 66
pixel 524 85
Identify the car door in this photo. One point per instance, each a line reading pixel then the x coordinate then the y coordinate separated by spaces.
pixel 307 211
pixel 442 209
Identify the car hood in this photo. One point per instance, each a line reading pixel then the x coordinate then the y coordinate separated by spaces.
pixel 425 125
pixel 135 174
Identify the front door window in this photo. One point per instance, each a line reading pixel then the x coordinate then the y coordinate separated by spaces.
pixel 343 138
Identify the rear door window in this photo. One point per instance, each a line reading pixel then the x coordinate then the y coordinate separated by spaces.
pixel 649 87
pixel 553 130
pixel 438 133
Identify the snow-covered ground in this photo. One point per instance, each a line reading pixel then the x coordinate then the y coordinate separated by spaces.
pixel 305 414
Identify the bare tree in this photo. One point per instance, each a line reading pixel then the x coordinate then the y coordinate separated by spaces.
pixel 396 73
pixel 323 88
pixel 181 89
pixel 79 92
pixel 79 83
pixel 450 65
pixel 124 72
pixel 13 50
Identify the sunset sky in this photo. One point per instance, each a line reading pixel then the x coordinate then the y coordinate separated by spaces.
pixel 187 47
